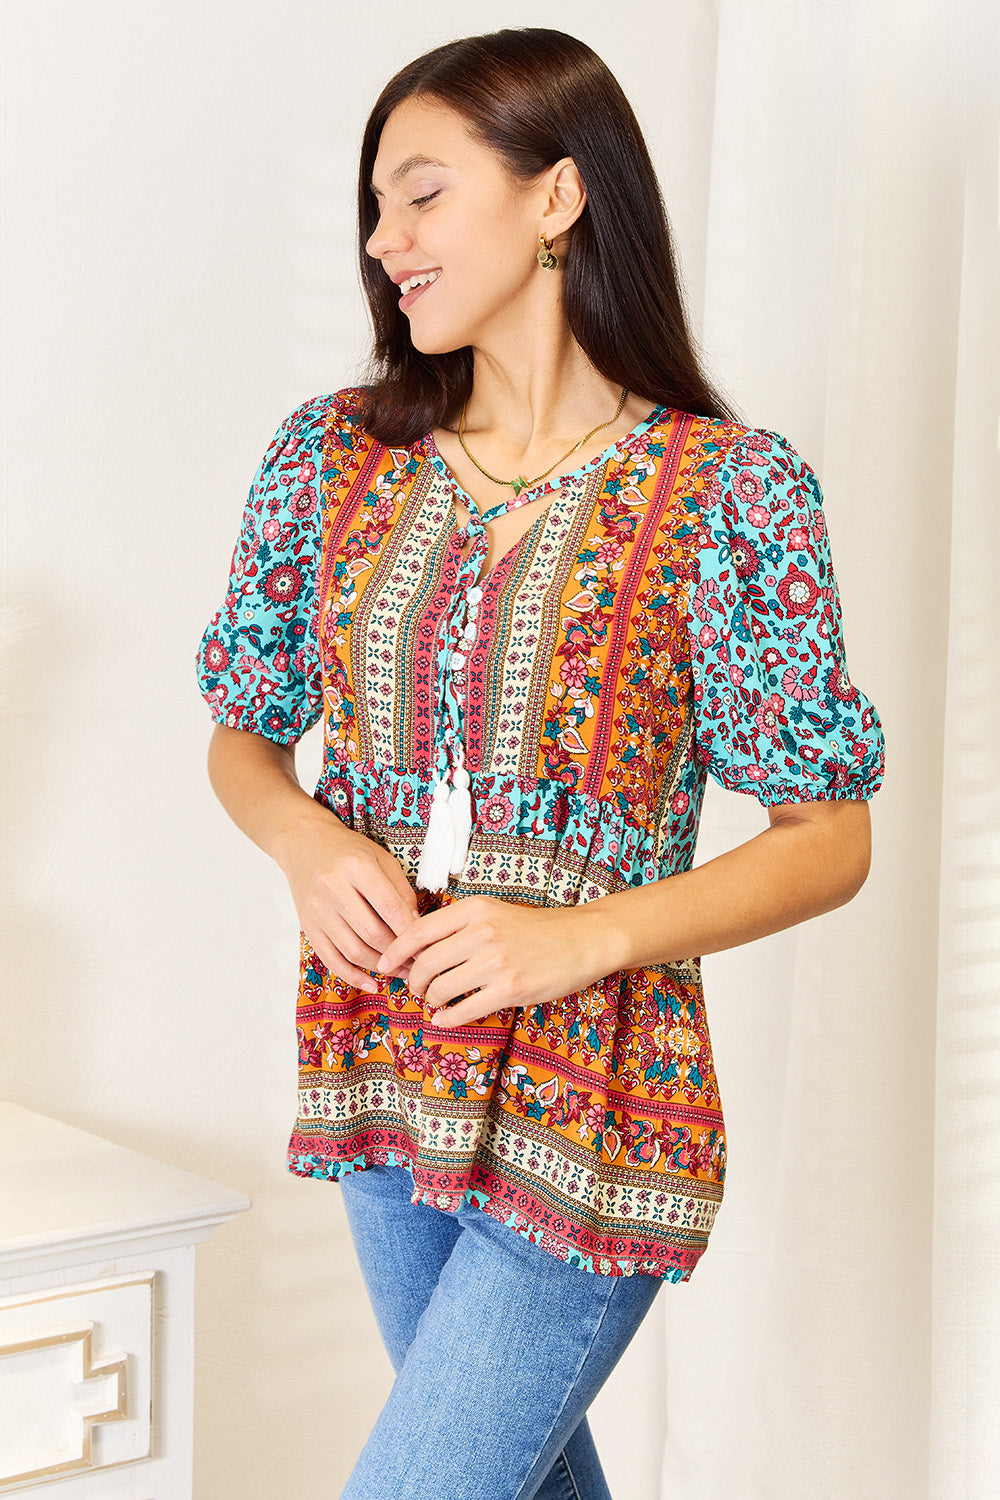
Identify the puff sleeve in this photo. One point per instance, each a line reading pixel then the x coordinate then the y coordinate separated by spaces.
pixel 776 713
pixel 258 665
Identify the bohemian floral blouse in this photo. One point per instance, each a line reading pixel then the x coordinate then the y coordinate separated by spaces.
pixel 672 613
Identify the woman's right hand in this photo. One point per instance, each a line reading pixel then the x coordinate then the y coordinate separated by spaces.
pixel 351 895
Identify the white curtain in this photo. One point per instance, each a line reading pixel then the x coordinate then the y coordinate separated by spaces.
pixel 179 276
pixel 841 1337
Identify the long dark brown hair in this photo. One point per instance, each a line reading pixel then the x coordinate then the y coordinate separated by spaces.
pixel 535 96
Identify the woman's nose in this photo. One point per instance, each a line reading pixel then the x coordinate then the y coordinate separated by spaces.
pixel 387 236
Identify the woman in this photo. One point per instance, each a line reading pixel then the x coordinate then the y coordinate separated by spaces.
pixel 539 581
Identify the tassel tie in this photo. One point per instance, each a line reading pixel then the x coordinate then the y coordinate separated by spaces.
pixel 449 826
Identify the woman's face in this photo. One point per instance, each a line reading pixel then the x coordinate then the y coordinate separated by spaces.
pixel 448 205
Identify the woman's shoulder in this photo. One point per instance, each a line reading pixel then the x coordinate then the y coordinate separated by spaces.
pixel 334 414
pixel 725 440
pixel 744 469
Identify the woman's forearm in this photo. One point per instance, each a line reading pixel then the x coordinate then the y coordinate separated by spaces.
pixel 256 782
pixel 811 859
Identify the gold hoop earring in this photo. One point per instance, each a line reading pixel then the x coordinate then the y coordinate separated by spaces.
pixel 545 256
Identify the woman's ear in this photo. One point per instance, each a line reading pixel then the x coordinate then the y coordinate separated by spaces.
pixel 567 197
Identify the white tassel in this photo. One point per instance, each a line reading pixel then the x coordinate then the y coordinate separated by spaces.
pixel 460 803
pixel 439 840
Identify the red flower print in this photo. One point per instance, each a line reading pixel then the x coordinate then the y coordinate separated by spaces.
pixel 707 637
pixel 679 803
pixel 341 1041
pixel 758 515
pixel 706 598
pixel 802 690
pixel 281 661
pixel 748 486
pixel 839 774
pixel 771 657
pixel 643 1149
pixel 216 655
pixel 310 1050
pixel 416 1059
pixel 453 1065
pixel 622 526
pixel 573 671
pixel 270 530
pixel 837 686
pixel 746 558
pixel 768 718
pixel 679 1147
pixel 798 539
pixel 302 503
pixel 307 473
pixel 797 592
pixel 283 583
pixel 608 553
pixel 571 1107
pixel 495 813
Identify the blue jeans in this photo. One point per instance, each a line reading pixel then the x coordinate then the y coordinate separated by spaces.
pixel 498 1347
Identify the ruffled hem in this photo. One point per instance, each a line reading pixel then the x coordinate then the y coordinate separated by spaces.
pixel 665 1262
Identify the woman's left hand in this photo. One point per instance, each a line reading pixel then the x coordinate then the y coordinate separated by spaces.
pixel 508 954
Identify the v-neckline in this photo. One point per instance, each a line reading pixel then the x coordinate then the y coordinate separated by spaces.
pixel 486 580
pixel 559 485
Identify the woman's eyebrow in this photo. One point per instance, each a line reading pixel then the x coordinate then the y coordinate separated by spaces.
pixel 398 173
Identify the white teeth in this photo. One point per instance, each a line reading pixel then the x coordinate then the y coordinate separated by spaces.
pixel 423 279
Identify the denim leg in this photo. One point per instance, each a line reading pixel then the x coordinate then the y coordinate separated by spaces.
pixel 401 1248
pixel 506 1355
pixel 577 1473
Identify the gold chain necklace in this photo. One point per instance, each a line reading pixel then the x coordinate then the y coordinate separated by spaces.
pixel 520 483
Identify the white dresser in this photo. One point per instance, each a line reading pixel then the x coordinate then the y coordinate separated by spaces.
pixel 97 1313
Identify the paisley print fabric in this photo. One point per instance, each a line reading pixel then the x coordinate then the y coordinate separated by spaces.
pixel 672 613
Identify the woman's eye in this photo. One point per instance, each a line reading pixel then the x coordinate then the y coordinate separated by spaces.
pixel 417 202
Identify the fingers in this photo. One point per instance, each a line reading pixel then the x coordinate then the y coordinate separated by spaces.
pixel 476 1007
pixel 355 908
pixel 350 954
pixel 443 970
pixel 422 931
pixel 354 911
pixel 375 894
pixel 338 963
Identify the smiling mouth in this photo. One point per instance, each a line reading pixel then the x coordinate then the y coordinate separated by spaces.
pixel 419 278
pixel 407 300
